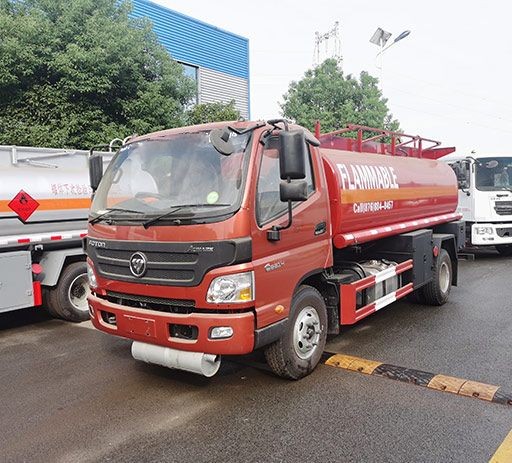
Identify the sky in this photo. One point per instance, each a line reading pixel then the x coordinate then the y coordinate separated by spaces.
pixel 449 80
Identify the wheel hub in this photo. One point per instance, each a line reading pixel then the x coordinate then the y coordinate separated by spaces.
pixel 78 292
pixel 444 277
pixel 306 332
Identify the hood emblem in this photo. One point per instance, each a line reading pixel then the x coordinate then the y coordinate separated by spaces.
pixel 138 264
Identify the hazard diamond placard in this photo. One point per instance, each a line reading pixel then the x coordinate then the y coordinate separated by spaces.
pixel 24 205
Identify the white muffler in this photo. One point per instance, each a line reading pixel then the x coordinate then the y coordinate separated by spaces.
pixel 194 362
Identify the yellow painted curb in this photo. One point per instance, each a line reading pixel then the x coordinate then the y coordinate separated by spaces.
pixel 364 366
pixel 478 390
pixel 349 362
pixel 443 383
pixel 446 383
pixel 340 361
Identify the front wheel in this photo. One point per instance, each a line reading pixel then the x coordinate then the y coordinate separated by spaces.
pixel 504 249
pixel 300 348
pixel 68 300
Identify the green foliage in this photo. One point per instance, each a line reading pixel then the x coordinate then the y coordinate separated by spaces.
pixel 325 94
pixel 213 112
pixel 75 73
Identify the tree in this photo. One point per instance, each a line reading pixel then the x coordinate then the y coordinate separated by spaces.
pixel 325 94
pixel 213 112
pixel 78 73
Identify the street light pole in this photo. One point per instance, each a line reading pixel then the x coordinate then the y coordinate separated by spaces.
pixel 380 38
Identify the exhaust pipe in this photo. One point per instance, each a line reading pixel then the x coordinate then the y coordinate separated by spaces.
pixel 194 362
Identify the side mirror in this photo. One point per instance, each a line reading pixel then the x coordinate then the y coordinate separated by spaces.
pixel 292 156
pixel 95 170
pixel 293 191
pixel 460 171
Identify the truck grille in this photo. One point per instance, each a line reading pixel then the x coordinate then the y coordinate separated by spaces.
pixel 154 274
pixel 503 207
pixel 160 268
pixel 166 263
pixel 157 257
pixel 182 306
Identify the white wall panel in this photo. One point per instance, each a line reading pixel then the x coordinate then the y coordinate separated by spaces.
pixel 216 86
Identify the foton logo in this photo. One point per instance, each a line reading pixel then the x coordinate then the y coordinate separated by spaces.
pixel 138 264
pixel 96 244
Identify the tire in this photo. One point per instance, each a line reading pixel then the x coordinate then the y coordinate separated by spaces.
pixel 68 300
pixel 504 249
pixel 298 351
pixel 47 306
pixel 437 291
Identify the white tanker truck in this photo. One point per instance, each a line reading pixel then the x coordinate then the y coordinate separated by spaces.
pixel 44 202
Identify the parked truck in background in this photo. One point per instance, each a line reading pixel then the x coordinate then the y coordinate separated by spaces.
pixel 225 238
pixel 485 198
pixel 44 202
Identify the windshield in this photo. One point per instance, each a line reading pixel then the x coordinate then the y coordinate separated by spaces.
pixel 494 174
pixel 183 172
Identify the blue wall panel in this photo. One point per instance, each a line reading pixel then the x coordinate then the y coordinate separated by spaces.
pixel 195 42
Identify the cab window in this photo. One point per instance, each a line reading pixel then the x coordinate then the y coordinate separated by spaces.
pixel 268 203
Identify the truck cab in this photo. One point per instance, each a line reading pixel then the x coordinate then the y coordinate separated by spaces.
pixel 181 232
pixel 485 198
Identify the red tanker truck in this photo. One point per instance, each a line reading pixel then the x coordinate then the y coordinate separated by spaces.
pixel 225 238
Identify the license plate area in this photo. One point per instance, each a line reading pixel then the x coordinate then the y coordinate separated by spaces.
pixel 139 326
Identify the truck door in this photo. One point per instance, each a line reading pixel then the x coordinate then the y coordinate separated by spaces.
pixel 302 249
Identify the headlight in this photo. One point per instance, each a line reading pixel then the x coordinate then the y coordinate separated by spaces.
pixel 93 283
pixel 238 287
pixel 483 230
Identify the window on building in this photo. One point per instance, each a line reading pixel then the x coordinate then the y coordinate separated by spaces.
pixel 191 72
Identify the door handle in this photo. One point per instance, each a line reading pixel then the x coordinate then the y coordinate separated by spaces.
pixel 320 228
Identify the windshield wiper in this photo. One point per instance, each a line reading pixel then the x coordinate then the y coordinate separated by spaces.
pixel 175 209
pixel 109 211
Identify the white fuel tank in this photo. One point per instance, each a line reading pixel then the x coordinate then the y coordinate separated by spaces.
pixel 42 189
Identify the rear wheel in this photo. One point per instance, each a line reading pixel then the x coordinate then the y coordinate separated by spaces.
pixel 437 291
pixel 504 249
pixel 68 300
pixel 48 307
pixel 300 348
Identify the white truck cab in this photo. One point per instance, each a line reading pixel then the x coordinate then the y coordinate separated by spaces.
pixel 485 198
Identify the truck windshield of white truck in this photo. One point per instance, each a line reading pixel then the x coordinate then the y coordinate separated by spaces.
pixel 494 174
pixel 176 179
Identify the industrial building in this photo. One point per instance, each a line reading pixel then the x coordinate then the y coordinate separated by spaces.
pixel 216 59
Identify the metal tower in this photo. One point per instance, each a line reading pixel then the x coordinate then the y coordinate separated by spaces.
pixel 332 49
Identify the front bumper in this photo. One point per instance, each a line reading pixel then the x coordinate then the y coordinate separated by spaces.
pixel 155 327
pixel 500 233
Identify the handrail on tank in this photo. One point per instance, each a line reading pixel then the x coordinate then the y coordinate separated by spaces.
pixel 397 146
pixel 38 153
